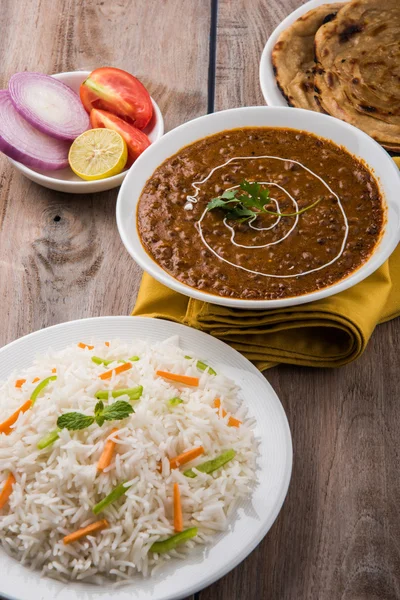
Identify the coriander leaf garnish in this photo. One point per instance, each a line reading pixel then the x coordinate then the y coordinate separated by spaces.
pixel 240 212
pixel 113 412
pixel 256 196
pixel 250 204
pixel 219 202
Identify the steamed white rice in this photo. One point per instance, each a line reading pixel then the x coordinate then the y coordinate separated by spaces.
pixel 56 488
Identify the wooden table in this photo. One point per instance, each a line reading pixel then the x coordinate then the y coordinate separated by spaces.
pixel 61 258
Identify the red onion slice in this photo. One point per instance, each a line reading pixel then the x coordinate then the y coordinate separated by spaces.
pixel 22 142
pixel 48 105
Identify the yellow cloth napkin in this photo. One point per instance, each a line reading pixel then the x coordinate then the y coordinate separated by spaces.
pixel 325 333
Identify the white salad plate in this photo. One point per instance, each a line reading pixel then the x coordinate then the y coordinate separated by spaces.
pixel 65 180
pixel 247 525
pixel 270 90
pixel 354 140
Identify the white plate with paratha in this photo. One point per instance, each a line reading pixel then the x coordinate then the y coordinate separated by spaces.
pixel 272 94
pixel 319 58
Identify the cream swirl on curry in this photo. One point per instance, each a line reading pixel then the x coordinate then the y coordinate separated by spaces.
pixel 193 199
pixel 325 214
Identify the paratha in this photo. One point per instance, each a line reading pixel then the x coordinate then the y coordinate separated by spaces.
pixel 357 77
pixel 293 57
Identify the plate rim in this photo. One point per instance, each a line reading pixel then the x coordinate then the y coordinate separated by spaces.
pixel 288 444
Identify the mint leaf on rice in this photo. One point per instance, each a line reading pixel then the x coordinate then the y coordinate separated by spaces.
pixel 74 421
pixel 117 410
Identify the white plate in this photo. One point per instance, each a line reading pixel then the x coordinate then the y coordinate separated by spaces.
pixel 254 517
pixel 272 94
pixel 356 141
pixel 65 180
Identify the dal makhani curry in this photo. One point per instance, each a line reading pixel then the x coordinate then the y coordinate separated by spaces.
pixel 260 213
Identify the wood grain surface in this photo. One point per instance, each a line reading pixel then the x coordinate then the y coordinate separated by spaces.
pixel 61 257
pixel 337 537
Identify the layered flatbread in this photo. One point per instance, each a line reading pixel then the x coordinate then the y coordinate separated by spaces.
pixel 358 68
pixel 293 57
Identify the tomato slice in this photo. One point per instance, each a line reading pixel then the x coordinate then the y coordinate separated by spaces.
pixel 118 92
pixel 136 140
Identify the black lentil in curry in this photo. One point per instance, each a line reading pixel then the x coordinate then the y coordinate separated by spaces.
pixel 319 244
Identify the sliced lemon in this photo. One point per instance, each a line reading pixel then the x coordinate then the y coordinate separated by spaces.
pixel 97 154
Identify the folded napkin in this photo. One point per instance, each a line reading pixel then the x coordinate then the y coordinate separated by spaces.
pixel 326 333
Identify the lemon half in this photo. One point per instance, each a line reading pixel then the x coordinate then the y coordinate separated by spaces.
pixel 97 154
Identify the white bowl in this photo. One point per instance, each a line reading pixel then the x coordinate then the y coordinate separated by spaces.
pixel 357 143
pixel 65 180
pixel 271 92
